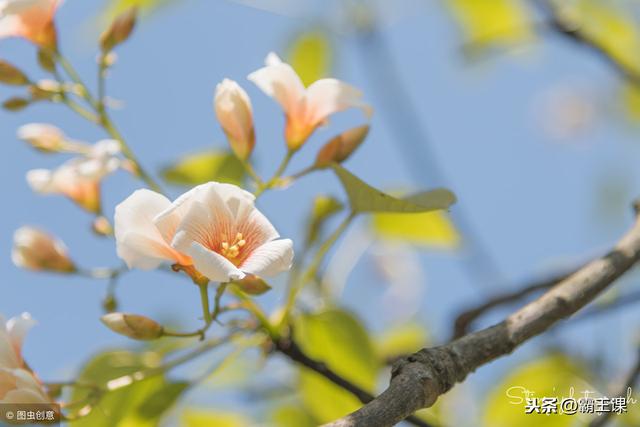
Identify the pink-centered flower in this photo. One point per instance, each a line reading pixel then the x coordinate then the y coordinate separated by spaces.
pixel 17 383
pixel 234 112
pixel 305 108
pixel 214 227
pixel 30 19
pixel 79 178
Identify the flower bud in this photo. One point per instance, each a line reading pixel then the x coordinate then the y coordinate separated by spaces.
pixel 252 285
pixel 341 147
pixel 234 112
pixel 119 31
pixel 133 326
pixel 102 227
pixel 11 75
pixel 43 137
pixel 15 103
pixel 36 250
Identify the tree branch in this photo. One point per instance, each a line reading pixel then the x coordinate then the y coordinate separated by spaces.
pixel 289 348
pixel 465 319
pixel 418 380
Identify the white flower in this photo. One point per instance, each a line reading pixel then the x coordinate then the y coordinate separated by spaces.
pixel 234 112
pixel 31 19
pixel 11 337
pixel 214 227
pixel 305 108
pixel 79 178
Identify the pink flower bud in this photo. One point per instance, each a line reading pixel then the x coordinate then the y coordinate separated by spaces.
pixel 133 326
pixel 36 250
pixel 235 114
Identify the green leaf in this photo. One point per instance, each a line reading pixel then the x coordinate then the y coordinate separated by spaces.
pixel 427 229
pixel 162 399
pixel 194 169
pixel 364 198
pixel 612 26
pixel 120 407
pixel 324 208
pixel 310 54
pixel 550 376
pixel 292 416
pixel 211 418
pixel 488 23
pixel 339 340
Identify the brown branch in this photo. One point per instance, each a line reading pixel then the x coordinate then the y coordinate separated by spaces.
pixel 289 348
pixel 629 382
pixel 418 380
pixel 465 319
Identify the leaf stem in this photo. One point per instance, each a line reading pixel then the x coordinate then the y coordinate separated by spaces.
pixel 276 176
pixel 298 282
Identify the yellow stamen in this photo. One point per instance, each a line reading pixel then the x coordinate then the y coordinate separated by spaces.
pixel 231 251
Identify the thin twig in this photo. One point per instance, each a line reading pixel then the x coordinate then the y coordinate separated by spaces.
pixel 289 348
pixel 465 319
pixel 630 381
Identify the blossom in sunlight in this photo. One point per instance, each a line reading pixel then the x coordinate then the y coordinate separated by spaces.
pixel 30 19
pixel 79 179
pixel 49 138
pixel 214 228
pixel 305 108
pixel 34 249
pixel 17 383
pixel 234 112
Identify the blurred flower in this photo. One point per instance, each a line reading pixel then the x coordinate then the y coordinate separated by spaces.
pixel 17 383
pixel 79 178
pixel 30 19
pixel 132 325
pixel 48 138
pixel 235 114
pixel 11 337
pixel 34 249
pixel 567 112
pixel 214 227
pixel 305 108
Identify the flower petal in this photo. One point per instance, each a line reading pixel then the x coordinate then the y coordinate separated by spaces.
pixel 270 259
pixel 138 241
pixel 328 96
pixel 279 81
pixel 212 265
pixel 17 328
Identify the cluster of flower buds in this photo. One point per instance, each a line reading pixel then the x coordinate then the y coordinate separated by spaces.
pixel 305 109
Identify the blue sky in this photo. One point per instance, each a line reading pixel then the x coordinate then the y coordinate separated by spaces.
pixel 532 198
